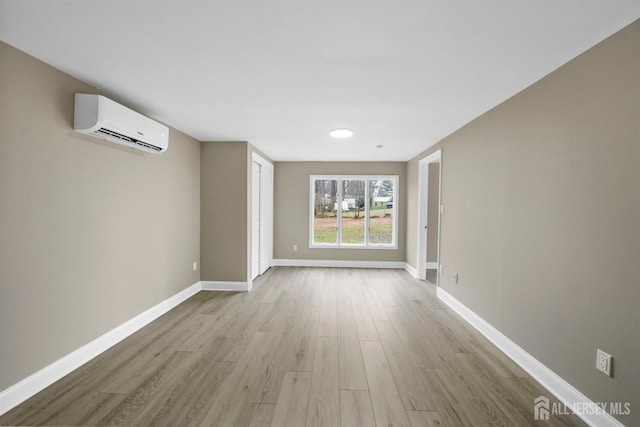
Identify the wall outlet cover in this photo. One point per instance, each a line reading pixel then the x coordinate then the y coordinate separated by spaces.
pixel 603 362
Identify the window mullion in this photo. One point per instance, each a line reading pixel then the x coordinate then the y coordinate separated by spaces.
pixel 312 207
pixel 367 202
pixel 339 212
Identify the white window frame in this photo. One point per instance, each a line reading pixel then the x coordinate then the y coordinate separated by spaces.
pixel 366 244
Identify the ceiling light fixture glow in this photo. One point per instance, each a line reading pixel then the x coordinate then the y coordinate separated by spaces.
pixel 341 133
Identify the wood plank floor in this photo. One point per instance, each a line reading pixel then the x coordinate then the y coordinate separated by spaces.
pixel 306 347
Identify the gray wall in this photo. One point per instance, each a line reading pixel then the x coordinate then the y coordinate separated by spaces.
pixel 291 210
pixel 225 206
pixel 91 233
pixel 542 218
pixel 225 238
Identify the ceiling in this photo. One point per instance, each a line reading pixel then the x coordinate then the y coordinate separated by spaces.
pixel 282 74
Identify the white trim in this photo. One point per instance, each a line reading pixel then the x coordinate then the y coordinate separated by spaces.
pixel 409 269
pixel 226 286
pixel 338 263
pixel 261 160
pixel 431 266
pixel 564 391
pixel 21 391
pixel 353 246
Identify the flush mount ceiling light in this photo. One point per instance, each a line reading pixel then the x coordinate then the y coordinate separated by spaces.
pixel 341 133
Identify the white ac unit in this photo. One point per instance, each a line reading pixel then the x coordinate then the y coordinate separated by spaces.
pixel 99 116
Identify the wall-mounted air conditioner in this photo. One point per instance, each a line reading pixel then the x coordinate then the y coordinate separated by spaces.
pixel 101 117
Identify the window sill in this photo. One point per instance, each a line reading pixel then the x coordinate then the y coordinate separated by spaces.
pixel 386 248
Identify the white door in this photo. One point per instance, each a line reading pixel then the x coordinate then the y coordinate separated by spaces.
pixel 255 220
pixel 266 217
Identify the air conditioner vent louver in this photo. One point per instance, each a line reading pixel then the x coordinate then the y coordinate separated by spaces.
pixel 100 117
pixel 114 134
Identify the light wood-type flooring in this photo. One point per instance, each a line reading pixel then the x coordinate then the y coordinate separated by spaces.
pixel 306 347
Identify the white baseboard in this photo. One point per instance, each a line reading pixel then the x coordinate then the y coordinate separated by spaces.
pixel 337 263
pixel 432 266
pixel 38 381
pixel 412 271
pixel 564 391
pixel 226 286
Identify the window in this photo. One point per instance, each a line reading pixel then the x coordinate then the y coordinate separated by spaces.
pixel 351 211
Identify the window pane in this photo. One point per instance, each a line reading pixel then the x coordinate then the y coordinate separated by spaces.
pixel 381 211
pixel 325 221
pixel 353 198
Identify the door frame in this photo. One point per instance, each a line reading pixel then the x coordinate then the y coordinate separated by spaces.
pixel 423 213
pixel 265 254
pixel 256 218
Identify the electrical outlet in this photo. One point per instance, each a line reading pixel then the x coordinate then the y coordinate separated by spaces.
pixel 195 265
pixel 295 248
pixel 603 362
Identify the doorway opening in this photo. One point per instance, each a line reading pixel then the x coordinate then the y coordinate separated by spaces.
pixel 429 216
